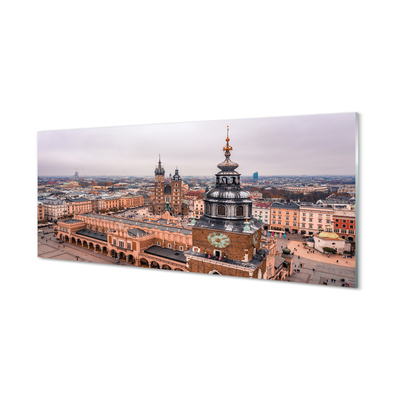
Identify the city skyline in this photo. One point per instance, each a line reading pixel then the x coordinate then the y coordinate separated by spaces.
pixel 316 145
pixel 261 177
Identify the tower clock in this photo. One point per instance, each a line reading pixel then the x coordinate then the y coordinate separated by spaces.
pixel 219 240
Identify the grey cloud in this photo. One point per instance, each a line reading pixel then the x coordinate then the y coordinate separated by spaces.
pixel 321 144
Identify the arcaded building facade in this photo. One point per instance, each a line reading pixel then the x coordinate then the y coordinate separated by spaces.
pixel 139 243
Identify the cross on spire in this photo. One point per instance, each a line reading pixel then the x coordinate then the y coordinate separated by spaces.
pixel 227 148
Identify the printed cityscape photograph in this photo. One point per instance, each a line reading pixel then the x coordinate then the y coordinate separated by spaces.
pixel 266 198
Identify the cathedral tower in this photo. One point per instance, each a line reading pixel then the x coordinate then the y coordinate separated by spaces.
pixel 176 193
pixel 159 186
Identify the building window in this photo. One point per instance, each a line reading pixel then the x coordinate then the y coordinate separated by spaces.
pixel 287 223
pixel 158 243
pixel 239 211
pixel 336 230
pixel 221 210
pixel 350 231
pixel 351 226
pixel 343 231
pixel 343 226
pixel 129 246
pixel 310 226
pixel 344 221
pixel 180 248
pixel 169 245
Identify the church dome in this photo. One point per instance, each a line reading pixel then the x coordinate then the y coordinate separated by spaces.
pixel 228 193
pixel 330 235
pixel 227 165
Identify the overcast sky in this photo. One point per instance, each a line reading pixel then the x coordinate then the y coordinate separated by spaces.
pixel 300 145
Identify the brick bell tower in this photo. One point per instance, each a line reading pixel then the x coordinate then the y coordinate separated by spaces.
pixel 159 186
pixel 226 238
pixel 176 193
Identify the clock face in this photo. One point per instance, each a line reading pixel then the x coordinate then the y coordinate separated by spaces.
pixel 255 239
pixel 219 240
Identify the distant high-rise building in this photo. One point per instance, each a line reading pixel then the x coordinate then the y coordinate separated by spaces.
pixel 76 176
pixel 255 175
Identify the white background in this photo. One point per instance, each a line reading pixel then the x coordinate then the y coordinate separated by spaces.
pixel 83 331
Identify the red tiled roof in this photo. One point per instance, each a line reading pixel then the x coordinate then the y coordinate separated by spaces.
pixel 262 205
pixel 192 193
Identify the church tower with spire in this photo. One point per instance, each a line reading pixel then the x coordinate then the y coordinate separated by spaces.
pixel 176 193
pixel 167 195
pixel 159 186
pixel 226 238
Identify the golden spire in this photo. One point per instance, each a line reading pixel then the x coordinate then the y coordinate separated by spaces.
pixel 227 148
